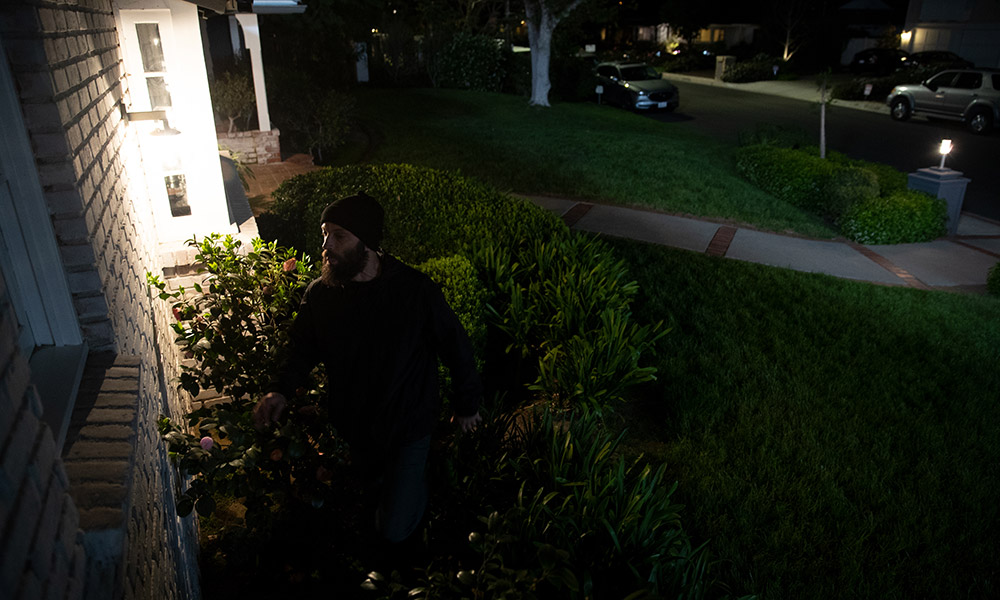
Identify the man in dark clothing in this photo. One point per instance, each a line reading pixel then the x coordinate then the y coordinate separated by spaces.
pixel 378 326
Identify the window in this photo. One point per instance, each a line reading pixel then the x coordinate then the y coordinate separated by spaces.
pixel 968 81
pixel 941 80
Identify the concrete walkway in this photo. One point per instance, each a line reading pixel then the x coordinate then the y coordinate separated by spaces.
pixel 959 263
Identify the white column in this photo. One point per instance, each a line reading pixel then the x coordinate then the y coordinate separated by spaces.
pixel 251 35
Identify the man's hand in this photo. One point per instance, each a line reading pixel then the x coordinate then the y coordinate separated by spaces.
pixel 467 423
pixel 268 409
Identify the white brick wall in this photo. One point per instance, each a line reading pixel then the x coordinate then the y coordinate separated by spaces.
pixel 65 58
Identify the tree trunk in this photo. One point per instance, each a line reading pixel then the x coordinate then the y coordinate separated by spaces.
pixel 541 22
pixel 822 118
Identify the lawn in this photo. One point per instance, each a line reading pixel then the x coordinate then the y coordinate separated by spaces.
pixel 586 151
pixel 831 438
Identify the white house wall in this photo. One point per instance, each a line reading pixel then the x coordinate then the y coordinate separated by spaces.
pixel 191 114
pixel 67 62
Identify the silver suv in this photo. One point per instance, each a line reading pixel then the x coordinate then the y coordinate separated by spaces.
pixel 968 95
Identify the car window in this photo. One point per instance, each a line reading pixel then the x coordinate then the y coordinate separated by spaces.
pixel 607 71
pixel 968 81
pixel 942 79
pixel 996 81
pixel 639 73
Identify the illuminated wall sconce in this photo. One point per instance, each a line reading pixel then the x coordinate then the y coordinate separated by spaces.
pixel 905 37
pixel 168 149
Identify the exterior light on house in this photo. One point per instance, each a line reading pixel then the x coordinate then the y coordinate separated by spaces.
pixel 944 149
pixel 905 37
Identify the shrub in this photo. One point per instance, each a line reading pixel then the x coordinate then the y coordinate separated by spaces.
pixel 235 325
pixel 903 217
pixel 846 186
pixel 881 86
pixel 429 213
pixel 993 280
pixel 565 304
pixel 790 175
pixel 825 187
pixel 759 68
pixel 780 136
pixel 566 516
pixel 471 62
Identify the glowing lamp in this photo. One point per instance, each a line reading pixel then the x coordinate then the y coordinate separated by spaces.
pixel 944 149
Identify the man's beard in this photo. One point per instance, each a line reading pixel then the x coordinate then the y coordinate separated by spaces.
pixel 347 267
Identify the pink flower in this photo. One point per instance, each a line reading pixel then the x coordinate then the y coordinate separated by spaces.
pixel 288 265
pixel 178 314
pixel 207 443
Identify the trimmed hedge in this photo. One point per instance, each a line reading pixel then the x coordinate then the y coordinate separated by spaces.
pixel 790 175
pixel 881 86
pixel 903 217
pixel 870 202
pixel 472 62
pixel 758 68
pixel 993 281
pixel 429 213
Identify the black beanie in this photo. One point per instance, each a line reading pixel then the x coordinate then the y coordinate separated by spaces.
pixel 360 214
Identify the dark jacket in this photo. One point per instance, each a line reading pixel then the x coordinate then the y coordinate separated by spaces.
pixel 379 342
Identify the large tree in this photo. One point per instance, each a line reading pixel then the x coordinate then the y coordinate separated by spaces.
pixel 541 18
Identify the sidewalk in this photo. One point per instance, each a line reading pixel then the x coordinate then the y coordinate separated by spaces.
pixel 960 263
pixel 800 89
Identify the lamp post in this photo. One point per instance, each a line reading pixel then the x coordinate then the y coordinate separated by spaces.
pixel 944 149
pixel 942 182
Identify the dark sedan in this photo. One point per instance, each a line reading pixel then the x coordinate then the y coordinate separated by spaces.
pixel 878 61
pixel 636 85
pixel 938 59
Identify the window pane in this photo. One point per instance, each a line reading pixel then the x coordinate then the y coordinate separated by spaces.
pixel 177 195
pixel 159 97
pixel 150 47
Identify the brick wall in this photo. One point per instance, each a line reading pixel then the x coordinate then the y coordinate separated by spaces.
pixel 41 545
pixel 253 147
pixel 65 58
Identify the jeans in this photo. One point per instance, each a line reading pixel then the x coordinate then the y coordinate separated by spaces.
pixel 403 496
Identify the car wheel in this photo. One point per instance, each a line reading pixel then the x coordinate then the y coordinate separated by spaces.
pixel 900 109
pixel 981 121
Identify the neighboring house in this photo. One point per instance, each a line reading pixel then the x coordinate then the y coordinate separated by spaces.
pixel 970 29
pixel 108 162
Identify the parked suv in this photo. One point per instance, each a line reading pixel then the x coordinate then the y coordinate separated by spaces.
pixel 968 95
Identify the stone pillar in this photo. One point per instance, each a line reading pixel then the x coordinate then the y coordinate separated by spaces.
pixel 944 183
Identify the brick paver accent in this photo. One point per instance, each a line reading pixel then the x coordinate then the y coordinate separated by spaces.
pixel 720 241
pixel 576 213
pixel 888 265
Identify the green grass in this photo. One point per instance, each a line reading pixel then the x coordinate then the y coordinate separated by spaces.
pixel 833 439
pixel 585 151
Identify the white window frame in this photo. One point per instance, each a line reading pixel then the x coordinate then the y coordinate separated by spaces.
pixel 49 331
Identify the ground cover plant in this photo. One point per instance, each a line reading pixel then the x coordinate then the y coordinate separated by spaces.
pixel 574 150
pixel 831 438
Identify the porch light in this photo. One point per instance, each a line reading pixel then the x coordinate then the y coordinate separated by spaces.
pixel 905 37
pixel 944 149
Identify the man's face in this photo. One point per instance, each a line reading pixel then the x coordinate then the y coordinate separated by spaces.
pixel 344 255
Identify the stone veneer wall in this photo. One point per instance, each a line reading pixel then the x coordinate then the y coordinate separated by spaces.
pixel 65 57
pixel 253 147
